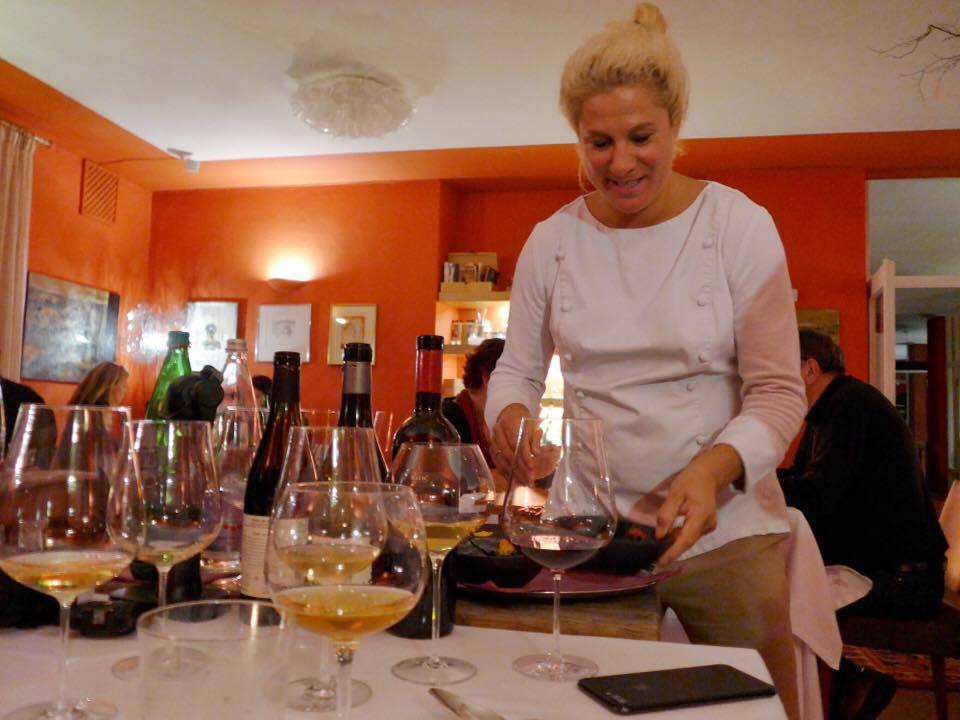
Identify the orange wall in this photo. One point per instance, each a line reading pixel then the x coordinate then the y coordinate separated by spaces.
pixel 111 256
pixel 368 244
pixel 821 216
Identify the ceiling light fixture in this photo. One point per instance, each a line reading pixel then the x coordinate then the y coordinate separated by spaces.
pixel 184 156
pixel 351 102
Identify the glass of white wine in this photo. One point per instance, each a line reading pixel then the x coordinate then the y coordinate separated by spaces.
pixel 348 559
pixel 328 454
pixel 73 517
pixel 454 489
pixel 182 503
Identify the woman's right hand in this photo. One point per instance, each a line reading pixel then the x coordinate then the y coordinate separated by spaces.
pixel 505 433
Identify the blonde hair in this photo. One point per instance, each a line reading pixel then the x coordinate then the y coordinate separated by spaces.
pixel 637 52
pixel 95 387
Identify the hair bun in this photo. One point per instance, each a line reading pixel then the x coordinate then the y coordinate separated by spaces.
pixel 648 16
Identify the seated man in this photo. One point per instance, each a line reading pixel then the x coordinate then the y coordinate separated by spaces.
pixel 857 480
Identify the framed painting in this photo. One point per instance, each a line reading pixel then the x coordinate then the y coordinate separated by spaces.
pixel 825 321
pixel 210 324
pixel 283 327
pixel 351 323
pixel 67 329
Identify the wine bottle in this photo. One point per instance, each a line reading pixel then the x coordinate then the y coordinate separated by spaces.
pixel 265 472
pixel 355 402
pixel 426 424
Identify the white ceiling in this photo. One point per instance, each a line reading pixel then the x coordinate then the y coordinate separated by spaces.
pixel 209 76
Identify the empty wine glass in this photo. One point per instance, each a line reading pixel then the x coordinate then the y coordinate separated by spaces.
pixel 348 559
pixel 383 429
pixel 332 454
pixel 559 511
pixel 182 502
pixel 236 435
pixel 454 489
pixel 319 418
pixel 72 515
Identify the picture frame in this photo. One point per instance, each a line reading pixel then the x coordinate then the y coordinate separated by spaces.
pixel 67 329
pixel 351 323
pixel 210 324
pixel 283 328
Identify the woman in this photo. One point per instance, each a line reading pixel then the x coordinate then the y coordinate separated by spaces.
pixel 669 303
pixel 105 384
pixel 465 411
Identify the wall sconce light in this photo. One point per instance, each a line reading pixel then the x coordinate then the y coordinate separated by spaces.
pixel 184 156
pixel 285 284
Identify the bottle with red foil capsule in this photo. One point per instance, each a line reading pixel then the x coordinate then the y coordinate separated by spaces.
pixel 427 424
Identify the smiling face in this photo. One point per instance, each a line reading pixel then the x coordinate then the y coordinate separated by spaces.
pixel 627 145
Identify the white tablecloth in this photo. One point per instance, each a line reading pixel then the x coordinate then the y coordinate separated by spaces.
pixel 28 674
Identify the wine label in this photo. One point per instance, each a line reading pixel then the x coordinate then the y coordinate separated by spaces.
pixel 253 551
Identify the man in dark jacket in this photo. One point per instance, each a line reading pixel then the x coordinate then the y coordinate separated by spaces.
pixel 857 479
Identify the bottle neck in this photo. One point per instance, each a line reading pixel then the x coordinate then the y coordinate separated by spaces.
pixel 355 404
pixel 429 381
pixel 286 386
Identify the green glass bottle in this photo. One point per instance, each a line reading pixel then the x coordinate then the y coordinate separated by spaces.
pixel 175 365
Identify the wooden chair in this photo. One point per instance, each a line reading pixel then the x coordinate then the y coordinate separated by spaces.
pixel 938 638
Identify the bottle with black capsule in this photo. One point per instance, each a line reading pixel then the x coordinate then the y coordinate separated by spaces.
pixel 265 472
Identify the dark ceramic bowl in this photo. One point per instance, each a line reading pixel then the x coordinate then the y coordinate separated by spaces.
pixel 634 548
pixel 477 562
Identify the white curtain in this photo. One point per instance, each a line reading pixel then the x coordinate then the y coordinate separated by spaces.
pixel 16 183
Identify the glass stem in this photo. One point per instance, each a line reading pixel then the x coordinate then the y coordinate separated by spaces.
pixel 162 574
pixel 554 655
pixel 60 708
pixel 435 660
pixel 344 662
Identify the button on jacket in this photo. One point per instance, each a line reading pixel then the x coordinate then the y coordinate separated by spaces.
pixel 678 336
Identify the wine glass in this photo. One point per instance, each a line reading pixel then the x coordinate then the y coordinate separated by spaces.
pixel 348 559
pixel 236 436
pixel 454 488
pixel 559 511
pixel 383 429
pixel 319 418
pixel 181 495
pixel 331 454
pixel 72 514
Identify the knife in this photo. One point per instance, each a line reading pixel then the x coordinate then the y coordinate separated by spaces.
pixel 460 707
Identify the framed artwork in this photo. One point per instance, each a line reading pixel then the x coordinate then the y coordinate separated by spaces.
pixel 351 323
pixel 67 329
pixel 283 327
pixel 210 324
pixel 825 321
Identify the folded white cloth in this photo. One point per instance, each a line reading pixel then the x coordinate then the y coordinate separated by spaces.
pixel 846 585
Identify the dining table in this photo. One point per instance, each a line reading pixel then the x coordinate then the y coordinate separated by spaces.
pixel 28 664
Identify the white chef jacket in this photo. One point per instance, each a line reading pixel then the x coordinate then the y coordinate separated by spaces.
pixel 678 336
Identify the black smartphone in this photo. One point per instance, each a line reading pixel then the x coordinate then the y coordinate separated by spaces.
pixel 632 693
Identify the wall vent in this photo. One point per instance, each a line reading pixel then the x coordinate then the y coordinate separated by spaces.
pixel 99 193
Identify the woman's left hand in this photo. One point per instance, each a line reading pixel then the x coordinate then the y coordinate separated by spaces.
pixel 693 496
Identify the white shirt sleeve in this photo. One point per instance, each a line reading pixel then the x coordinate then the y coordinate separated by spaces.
pixel 768 355
pixel 521 369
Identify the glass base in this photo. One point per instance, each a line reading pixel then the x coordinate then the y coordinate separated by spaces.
pixel 87 709
pixel 179 663
pixel 434 671
pixel 313 695
pixel 555 668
